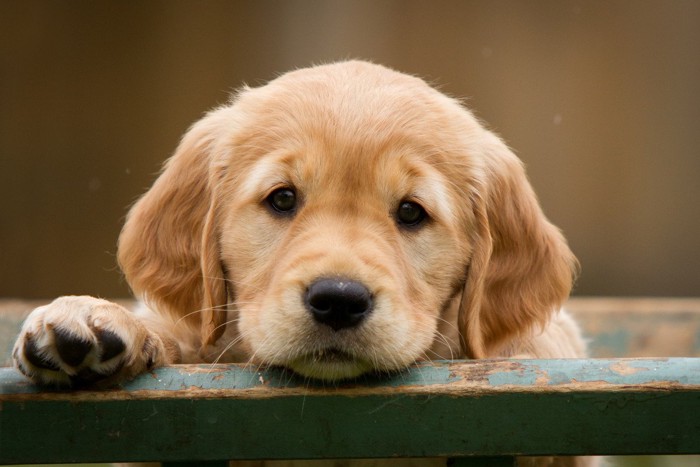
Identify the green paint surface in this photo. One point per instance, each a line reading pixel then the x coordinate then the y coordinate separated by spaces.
pixel 486 408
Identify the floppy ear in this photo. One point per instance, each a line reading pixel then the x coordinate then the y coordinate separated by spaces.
pixel 168 248
pixel 521 268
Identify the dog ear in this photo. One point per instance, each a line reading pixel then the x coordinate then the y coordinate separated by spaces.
pixel 521 269
pixel 168 248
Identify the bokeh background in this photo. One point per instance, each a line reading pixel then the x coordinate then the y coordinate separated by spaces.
pixel 599 98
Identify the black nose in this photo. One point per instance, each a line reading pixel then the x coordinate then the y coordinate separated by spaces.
pixel 338 303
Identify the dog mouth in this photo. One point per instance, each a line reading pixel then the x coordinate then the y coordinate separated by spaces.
pixel 330 364
pixel 332 355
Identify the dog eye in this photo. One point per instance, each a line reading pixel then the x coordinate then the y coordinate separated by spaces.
pixel 283 200
pixel 410 214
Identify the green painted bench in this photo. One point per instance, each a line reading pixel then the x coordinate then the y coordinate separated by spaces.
pixel 476 412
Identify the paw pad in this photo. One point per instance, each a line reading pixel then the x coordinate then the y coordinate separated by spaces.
pixel 71 348
pixel 111 344
pixel 83 341
pixel 33 356
pixel 82 360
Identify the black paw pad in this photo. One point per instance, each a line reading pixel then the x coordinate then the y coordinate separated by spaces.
pixel 85 378
pixel 71 348
pixel 111 344
pixel 31 353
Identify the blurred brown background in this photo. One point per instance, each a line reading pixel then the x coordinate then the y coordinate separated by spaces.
pixel 599 98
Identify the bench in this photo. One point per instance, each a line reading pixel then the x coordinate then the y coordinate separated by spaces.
pixel 476 412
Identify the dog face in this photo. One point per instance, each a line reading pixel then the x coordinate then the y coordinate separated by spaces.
pixel 348 218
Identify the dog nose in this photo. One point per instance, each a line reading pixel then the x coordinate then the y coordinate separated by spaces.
pixel 338 303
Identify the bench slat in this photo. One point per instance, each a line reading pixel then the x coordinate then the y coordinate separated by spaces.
pixel 485 408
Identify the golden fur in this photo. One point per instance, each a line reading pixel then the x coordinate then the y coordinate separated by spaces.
pixel 223 276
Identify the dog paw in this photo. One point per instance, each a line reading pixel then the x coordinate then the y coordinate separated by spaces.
pixel 78 341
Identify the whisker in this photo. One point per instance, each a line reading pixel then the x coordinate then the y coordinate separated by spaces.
pixel 201 310
pixel 251 359
pixel 228 347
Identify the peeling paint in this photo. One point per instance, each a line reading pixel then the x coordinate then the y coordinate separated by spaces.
pixel 460 378
pixel 622 368
pixel 542 378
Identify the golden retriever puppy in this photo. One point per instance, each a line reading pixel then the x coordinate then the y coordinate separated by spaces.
pixel 340 220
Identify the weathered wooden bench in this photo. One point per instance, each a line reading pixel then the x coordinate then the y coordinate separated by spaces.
pixel 476 412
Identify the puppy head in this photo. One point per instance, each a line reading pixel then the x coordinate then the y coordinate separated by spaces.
pixel 339 215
